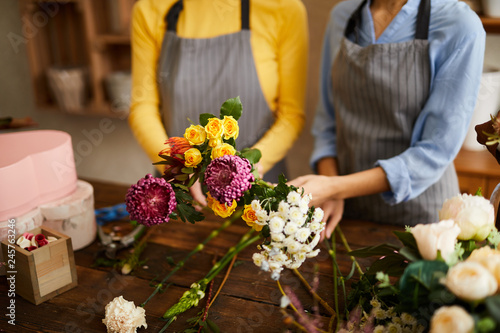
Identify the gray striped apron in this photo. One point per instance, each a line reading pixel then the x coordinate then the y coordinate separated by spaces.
pixel 379 91
pixel 197 75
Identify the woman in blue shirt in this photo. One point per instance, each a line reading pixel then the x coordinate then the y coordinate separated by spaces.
pixel 399 82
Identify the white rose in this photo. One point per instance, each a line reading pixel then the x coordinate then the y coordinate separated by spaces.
pixel 489 259
pixel 474 215
pixel 318 215
pixel 302 234
pixel 291 228
pixel 451 319
pixel 276 224
pixel 122 316
pixel 296 215
pixel 432 237
pixel 293 198
pixel 470 281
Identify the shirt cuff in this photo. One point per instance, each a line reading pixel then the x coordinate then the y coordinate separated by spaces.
pixel 399 180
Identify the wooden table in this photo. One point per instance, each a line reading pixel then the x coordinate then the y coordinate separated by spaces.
pixel 248 302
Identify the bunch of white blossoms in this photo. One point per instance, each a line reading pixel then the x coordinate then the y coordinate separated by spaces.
pixel 294 233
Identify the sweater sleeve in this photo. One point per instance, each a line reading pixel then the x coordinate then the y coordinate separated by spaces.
pixel 145 119
pixel 292 52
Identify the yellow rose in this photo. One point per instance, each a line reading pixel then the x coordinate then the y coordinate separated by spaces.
pixel 195 134
pixel 192 157
pixel 231 128
pixel 221 150
pixel 223 210
pixel 214 128
pixel 250 217
pixel 214 142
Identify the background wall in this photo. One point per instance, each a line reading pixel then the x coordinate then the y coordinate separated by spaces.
pixel 115 156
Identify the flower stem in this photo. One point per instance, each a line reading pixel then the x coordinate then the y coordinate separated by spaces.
pixel 264 183
pixel 313 293
pixel 170 321
pixel 348 248
pixel 196 292
pixel 198 248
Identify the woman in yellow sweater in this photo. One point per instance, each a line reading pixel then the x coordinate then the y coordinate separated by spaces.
pixel 189 56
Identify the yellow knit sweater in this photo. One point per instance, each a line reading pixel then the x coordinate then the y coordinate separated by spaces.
pixel 279 40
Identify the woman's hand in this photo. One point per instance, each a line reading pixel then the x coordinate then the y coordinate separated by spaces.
pixel 198 195
pixel 333 210
pixel 320 187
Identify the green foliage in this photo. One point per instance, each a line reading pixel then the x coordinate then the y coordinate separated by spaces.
pixel 251 154
pixel 232 107
pixel 204 117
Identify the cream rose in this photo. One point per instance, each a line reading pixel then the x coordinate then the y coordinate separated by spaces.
pixel 489 259
pixel 451 319
pixel 192 157
pixel 432 237
pixel 122 316
pixel 195 134
pixel 231 128
pixel 214 128
pixel 474 215
pixel 221 150
pixel 470 281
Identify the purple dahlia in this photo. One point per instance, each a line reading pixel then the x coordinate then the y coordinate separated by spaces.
pixel 228 177
pixel 150 201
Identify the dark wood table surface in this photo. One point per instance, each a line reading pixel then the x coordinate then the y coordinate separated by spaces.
pixel 248 302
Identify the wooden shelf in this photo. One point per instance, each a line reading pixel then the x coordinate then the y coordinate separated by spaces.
pixel 491 24
pixel 91 35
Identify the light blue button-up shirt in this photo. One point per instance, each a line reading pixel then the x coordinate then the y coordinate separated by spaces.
pixel 456 52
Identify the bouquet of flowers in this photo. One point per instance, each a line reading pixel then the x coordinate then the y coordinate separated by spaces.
pixel 288 228
pixel 444 278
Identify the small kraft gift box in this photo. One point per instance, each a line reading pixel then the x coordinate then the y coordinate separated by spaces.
pixel 45 272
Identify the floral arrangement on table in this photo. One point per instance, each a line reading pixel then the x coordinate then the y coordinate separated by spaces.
pixel 278 214
pixel 444 278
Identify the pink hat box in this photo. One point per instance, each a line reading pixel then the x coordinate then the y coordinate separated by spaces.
pixel 36 167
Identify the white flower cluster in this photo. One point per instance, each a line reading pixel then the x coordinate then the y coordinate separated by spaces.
pixel 294 233
pixel 392 322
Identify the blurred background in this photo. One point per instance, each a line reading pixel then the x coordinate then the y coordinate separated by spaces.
pixel 66 64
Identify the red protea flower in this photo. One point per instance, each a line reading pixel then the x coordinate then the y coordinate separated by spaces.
pixel 176 147
pixel 151 201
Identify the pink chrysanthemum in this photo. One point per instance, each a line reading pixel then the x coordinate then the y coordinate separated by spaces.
pixel 228 177
pixel 150 201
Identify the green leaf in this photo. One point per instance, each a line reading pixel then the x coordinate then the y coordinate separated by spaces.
pixel 493 307
pixel 170 261
pixel 419 280
pixel 213 327
pixel 410 254
pixel 486 325
pixel 204 117
pixel 392 264
pixel 266 232
pixel 407 239
pixel 253 155
pixel 377 250
pixel 188 170
pixel 232 107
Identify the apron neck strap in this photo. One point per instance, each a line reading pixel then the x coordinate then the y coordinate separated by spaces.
pixel 173 13
pixel 423 18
